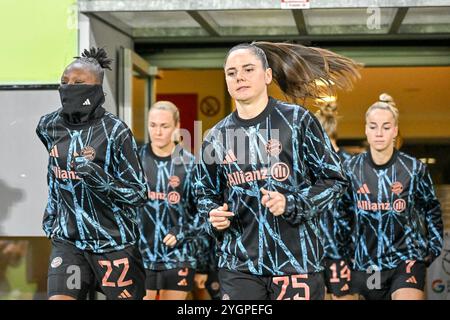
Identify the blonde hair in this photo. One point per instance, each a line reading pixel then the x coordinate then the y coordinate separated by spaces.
pixel 167 106
pixel 385 102
pixel 328 118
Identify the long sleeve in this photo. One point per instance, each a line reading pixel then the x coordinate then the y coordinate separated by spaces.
pixel 204 252
pixel 193 222
pixel 50 209
pixel 430 207
pixel 127 184
pixel 327 179
pixel 208 186
pixel 344 218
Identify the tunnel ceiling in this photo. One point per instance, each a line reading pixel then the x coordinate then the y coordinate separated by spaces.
pixel 183 21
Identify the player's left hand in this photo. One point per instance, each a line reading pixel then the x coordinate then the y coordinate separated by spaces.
pixel 274 201
pixel 170 240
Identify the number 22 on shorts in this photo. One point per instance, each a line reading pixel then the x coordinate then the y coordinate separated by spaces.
pixel 121 282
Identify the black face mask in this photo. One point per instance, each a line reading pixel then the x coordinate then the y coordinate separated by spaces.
pixel 81 102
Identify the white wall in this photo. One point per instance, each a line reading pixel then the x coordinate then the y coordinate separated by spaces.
pixel 23 161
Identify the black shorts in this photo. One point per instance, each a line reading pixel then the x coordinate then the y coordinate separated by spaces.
pixel 337 277
pixel 73 272
pixel 235 285
pixel 179 279
pixel 213 285
pixel 381 285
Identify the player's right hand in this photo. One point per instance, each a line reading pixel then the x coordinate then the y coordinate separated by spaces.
pixel 170 240
pixel 219 217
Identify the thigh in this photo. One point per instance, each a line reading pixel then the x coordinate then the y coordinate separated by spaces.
pixel 337 277
pixel 120 274
pixel 408 294
pixel 69 273
pixel 172 295
pixel 150 295
pixel 235 285
pixel 409 275
pixel 308 286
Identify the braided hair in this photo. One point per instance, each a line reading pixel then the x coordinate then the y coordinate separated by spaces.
pixel 96 59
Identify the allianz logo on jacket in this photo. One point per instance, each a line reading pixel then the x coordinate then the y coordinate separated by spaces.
pixel 278 171
pixel 65 174
pixel 399 205
pixel 172 197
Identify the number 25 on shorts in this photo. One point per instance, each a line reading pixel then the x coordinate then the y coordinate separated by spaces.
pixel 293 280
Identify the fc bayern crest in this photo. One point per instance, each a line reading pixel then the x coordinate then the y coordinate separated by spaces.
pixel 397 187
pixel 174 181
pixel 88 152
pixel 273 147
